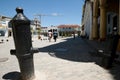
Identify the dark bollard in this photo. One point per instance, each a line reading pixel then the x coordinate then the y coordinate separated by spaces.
pixel 23 44
pixel 115 42
pixel 107 61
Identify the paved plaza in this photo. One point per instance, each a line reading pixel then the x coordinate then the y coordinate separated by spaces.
pixel 66 59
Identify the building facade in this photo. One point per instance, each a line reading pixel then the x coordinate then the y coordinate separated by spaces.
pixel 5 29
pixel 68 30
pixel 35 26
pixel 44 31
pixel 52 28
pixel 87 19
pixel 105 17
pixel 108 12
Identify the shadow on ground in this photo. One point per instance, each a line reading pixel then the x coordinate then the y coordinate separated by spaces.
pixel 12 76
pixel 71 49
pixel 77 50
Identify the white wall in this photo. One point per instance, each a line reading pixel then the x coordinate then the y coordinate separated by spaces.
pixel 87 21
pixel 52 27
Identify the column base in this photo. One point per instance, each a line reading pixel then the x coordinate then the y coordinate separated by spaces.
pixel 95 38
pixel 102 39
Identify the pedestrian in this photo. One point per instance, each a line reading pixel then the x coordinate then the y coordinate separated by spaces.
pixel 73 35
pixel 39 37
pixel 49 35
pixel 55 35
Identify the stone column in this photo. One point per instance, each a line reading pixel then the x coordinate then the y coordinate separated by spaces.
pixel 95 20
pixel 103 20
pixel 95 28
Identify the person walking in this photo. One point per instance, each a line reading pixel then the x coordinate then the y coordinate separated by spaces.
pixel 55 35
pixel 49 35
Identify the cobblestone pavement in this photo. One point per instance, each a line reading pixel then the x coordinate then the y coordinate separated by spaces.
pixel 66 59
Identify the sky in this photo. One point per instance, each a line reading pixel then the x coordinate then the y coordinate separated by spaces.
pixel 68 11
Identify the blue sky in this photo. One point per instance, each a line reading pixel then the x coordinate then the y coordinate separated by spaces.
pixel 70 10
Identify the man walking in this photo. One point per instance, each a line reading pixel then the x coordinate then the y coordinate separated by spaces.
pixel 55 35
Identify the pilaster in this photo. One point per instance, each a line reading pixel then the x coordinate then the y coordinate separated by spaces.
pixel 95 20
pixel 103 20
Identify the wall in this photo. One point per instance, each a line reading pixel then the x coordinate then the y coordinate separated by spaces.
pixel 87 21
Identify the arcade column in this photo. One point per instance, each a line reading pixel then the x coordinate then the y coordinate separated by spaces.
pixel 95 20
pixel 103 20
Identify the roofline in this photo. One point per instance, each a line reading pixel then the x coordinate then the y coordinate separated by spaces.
pixel 5 16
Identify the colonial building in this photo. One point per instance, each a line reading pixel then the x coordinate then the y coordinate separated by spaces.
pixel 105 17
pixel 87 19
pixel 35 26
pixel 5 29
pixel 68 30
pixel 52 28
pixel 101 16
pixel 108 12
pixel 44 31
